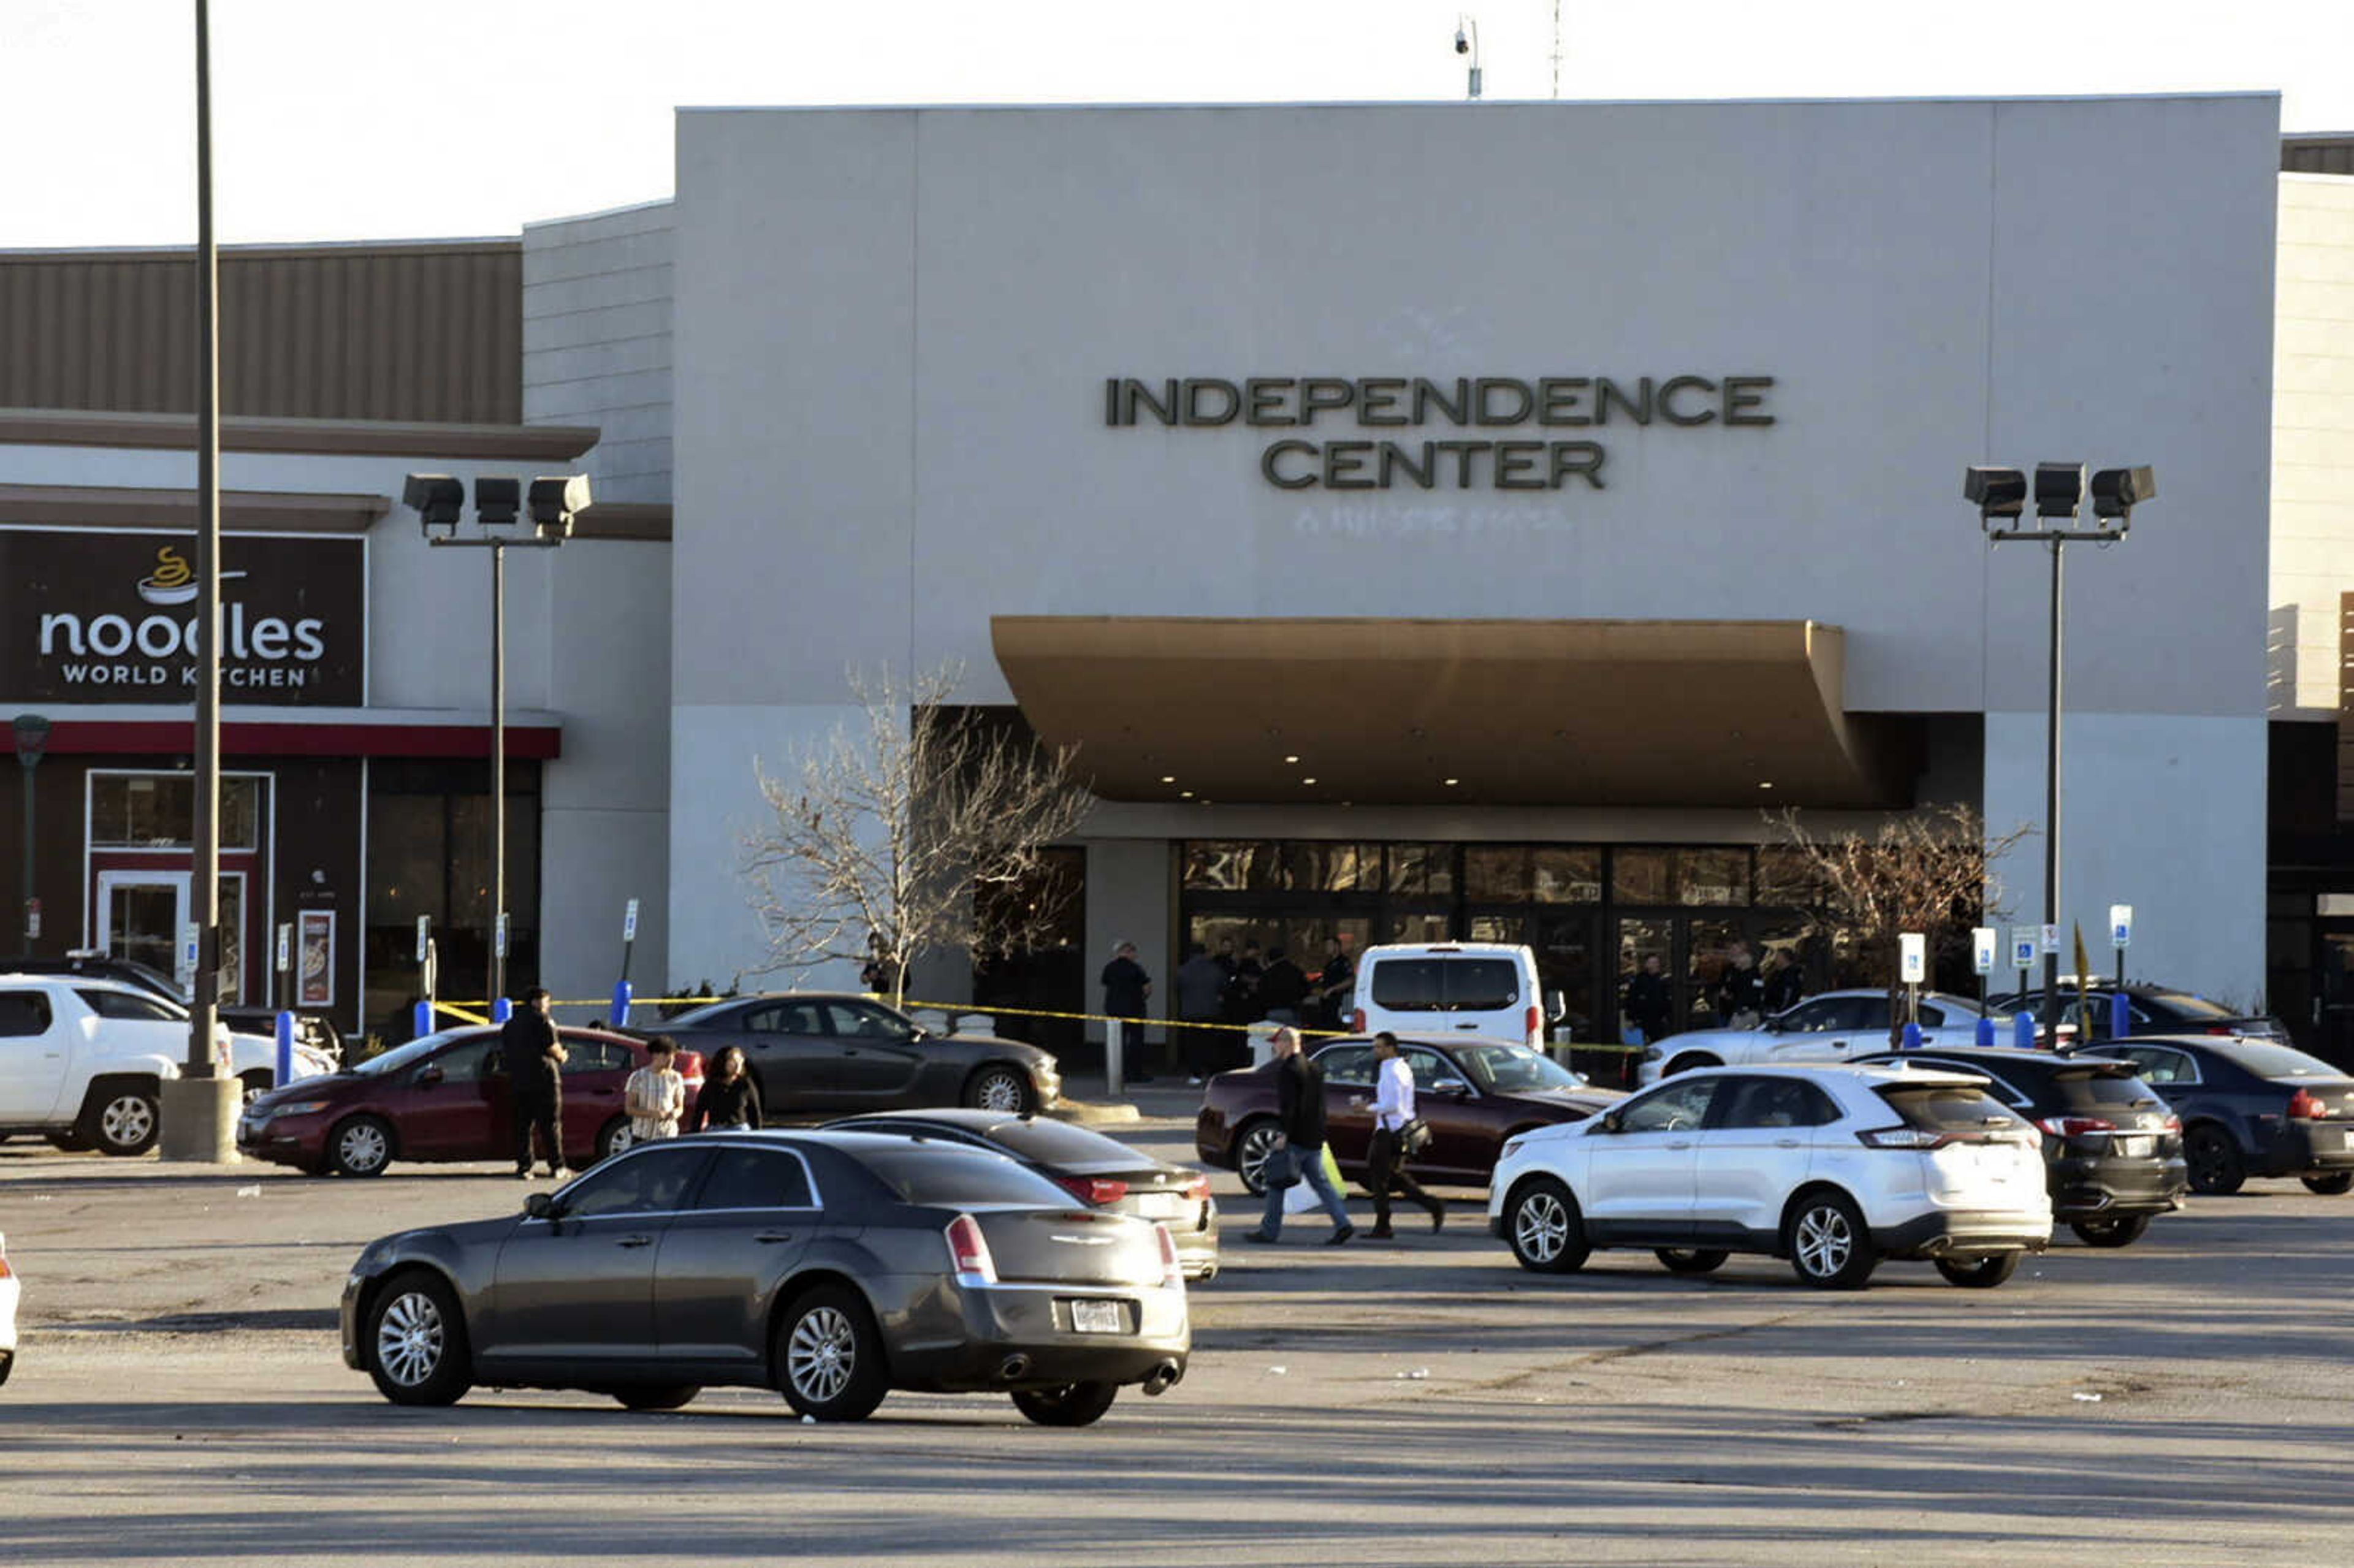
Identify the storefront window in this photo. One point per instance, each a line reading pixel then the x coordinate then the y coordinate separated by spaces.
pixel 1222 866
pixel 1496 873
pixel 1567 876
pixel 1422 868
pixel 158 810
pixel 1642 876
pixel 1786 878
pixel 1309 866
pixel 430 855
pixel 1713 876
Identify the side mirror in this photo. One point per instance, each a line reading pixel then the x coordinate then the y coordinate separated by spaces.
pixel 1557 1006
pixel 539 1205
pixel 1452 1088
pixel 427 1075
pixel 1611 1122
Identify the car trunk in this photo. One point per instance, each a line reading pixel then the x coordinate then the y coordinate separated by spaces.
pixel 1974 1153
pixel 1075 1246
pixel 2107 1111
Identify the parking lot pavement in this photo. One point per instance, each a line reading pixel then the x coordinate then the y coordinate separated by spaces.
pixel 179 1398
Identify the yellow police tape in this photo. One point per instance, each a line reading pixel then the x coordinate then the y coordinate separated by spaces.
pixel 461 1009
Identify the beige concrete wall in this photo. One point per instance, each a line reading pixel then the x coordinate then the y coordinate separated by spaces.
pixel 2313 442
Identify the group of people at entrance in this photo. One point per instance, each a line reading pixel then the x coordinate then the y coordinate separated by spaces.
pixel 1743 998
pixel 1220 993
pixel 1300 1157
pixel 654 1099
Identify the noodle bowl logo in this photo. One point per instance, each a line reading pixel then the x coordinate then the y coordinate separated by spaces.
pixel 173 581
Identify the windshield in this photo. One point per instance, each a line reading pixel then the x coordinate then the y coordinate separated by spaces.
pixel 400 1056
pixel 1514 1070
pixel 2191 1006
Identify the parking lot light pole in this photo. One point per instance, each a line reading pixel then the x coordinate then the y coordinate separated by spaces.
pixel 438 501
pixel 2001 495
pixel 32 740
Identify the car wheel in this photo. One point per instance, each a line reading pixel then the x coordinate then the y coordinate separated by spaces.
pixel 2123 1231
pixel 2331 1185
pixel 126 1122
pixel 2216 1168
pixel 1253 1147
pixel 1547 1234
pixel 615 1137
pixel 1001 1089
pixel 1686 1064
pixel 1980 1273
pixel 656 1396
pixel 1073 1405
pixel 1691 1260
pixel 359 1146
pixel 416 1341
pixel 1828 1247
pixel 829 1356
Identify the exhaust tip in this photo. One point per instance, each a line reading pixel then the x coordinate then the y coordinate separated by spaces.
pixel 1012 1367
pixel 1162 1378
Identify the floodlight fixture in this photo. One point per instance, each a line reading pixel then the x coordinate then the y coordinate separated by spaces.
pixel 2117 490
pixel 498 500
pixel 1995 492
pixel 555 499
pixel 436 499
pixel 2059 489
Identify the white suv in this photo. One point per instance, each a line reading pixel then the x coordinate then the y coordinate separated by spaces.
pixel 1833 1168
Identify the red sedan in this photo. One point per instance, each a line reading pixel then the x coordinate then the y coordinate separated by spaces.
pixel 1475 1094
pixel 445 1097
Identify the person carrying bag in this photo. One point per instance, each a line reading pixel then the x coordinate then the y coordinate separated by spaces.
pixel 1302 1161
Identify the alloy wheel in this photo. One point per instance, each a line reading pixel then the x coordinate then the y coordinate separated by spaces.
pixel 128 1120
pixel 1540 1226
pixel 1824 1242
pixel 410 1339
pixel 998 1091
pixel 1257 1148
pixel 822 1355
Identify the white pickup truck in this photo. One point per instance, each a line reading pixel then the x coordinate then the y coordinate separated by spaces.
pixel 82 1061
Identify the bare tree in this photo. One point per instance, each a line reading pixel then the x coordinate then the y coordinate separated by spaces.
pixel 1929 871
pixel 898 835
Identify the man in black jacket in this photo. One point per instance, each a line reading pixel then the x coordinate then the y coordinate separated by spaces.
pixel 1300 1107
pixel 1282 989
pixel 534 1064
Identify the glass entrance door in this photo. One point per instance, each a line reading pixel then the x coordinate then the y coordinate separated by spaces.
pixel 141 914
pixel 2334 992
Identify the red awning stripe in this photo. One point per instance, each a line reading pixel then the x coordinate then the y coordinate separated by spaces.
pixel 168 738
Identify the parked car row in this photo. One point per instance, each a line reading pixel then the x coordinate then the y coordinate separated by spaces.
pixel 83 1061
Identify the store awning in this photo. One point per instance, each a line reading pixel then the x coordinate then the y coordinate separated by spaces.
pixel 1625 712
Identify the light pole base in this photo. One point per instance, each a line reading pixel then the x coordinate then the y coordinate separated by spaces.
pixel 200 1120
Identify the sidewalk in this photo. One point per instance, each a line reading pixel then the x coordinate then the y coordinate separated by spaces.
pixel 1087 1101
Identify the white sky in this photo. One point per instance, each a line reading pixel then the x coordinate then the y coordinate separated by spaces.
pixel 346 119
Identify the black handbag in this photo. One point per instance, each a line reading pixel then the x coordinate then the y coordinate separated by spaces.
pixel 1413 1138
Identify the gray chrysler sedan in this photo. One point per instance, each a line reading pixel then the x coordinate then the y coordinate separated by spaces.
pixel 833 1266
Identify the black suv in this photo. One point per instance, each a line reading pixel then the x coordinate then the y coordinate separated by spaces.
pixel 2112 1148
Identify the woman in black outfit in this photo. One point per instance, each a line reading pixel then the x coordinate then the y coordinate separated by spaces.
pixel 728 1098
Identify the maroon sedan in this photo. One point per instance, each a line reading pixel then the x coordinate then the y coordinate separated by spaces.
pixel 444 1097
pixel 1475 1094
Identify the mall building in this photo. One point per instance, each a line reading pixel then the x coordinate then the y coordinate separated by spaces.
pixel 1477 520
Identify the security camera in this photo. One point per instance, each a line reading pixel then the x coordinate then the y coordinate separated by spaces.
pixel 1462 43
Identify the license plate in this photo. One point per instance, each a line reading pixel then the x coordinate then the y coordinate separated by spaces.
pixel 1097 1318
pixel 1161 1205
pixel 2346 1140
pixel 2129 1143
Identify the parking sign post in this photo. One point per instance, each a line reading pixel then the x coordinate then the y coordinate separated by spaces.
pixel 2120 937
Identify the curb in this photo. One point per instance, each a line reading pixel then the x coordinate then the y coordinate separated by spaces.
pixel 1087 1114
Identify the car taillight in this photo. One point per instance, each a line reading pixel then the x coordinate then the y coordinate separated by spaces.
pixel 2220 1029
pixel 1905 1137
pixel 2305 1107
pixel 2074 1125
pixel 1095 1188
pixel 1357 1021
pixel 5 1270
pixel 689 1063
pixel 2172 1124
pixel 969 1256
pixel 1198 1189
pixel 1534 1021
pixel 1173 1273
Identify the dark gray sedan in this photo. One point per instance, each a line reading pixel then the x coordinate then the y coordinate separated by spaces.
pixel 830 1266
pixel 820 1053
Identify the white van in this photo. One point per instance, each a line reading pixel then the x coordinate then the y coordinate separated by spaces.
pixel 1487 988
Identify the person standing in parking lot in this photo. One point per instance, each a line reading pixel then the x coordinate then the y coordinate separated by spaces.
pixel 655 1096
pixel 1300 1107
pixel 535 1061
pixel 1126 988
pixel 1786 987
pixel 1201 997
pixel 1334 983
pixel 1283 989
pixel 1741 994
pixel 1647 1005
pixel 1393 1108
pixel 729 1097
